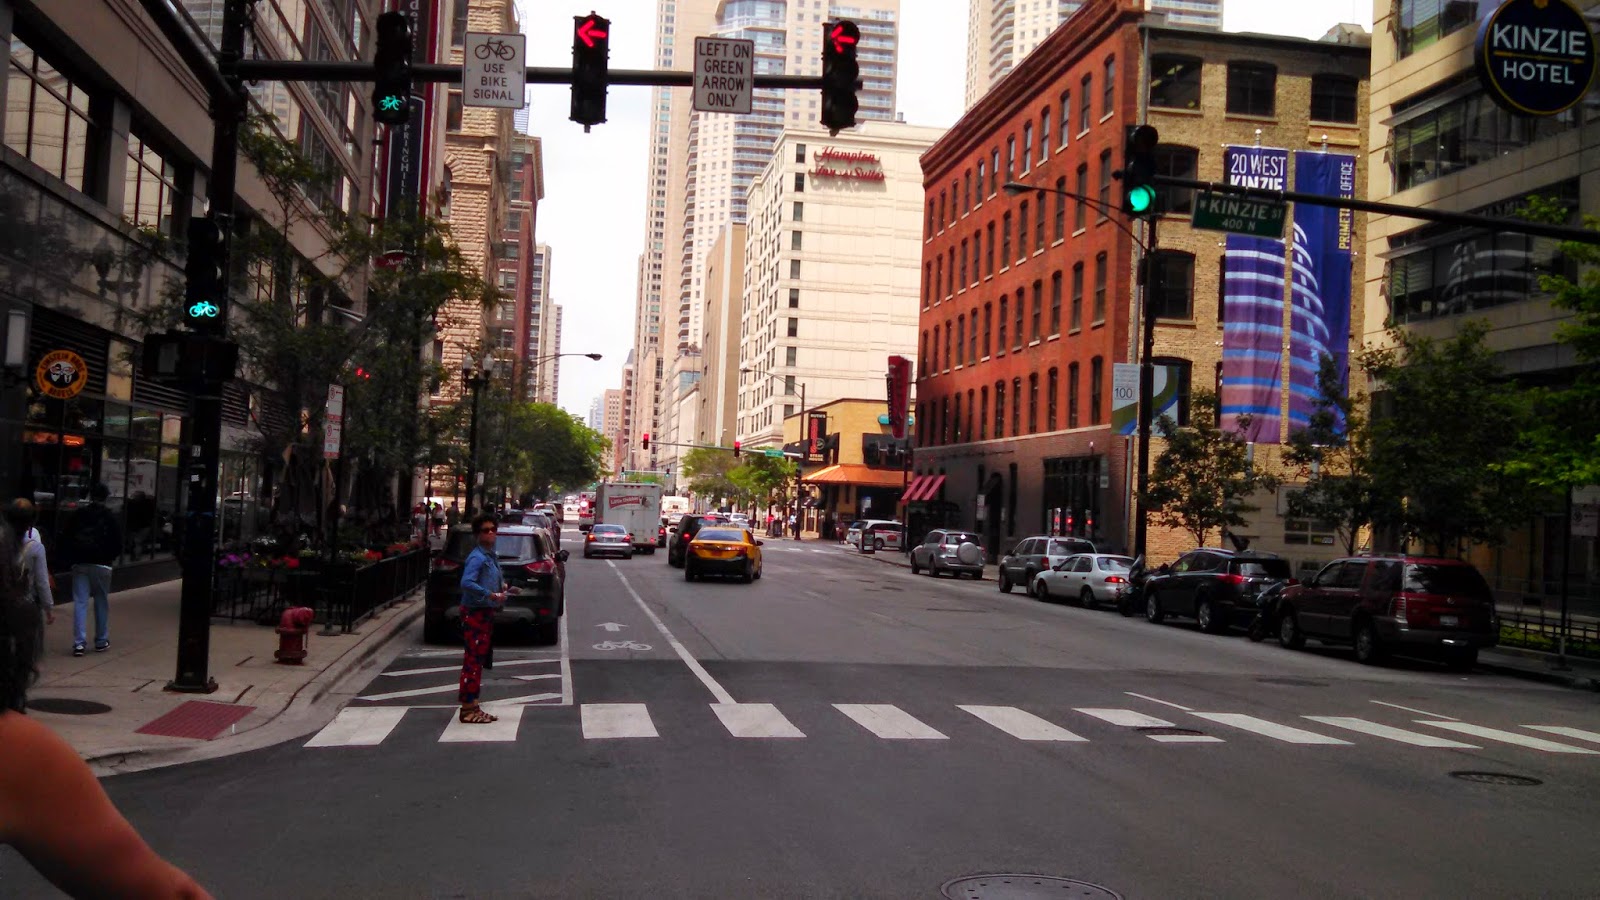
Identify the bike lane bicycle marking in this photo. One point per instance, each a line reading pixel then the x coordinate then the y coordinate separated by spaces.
pixel 711 684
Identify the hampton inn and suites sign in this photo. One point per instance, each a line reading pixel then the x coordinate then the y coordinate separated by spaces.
pixel 855 165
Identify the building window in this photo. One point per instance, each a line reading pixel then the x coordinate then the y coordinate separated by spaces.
pixel 794 269
pixel 1080 209
pixel 1011 159
pixel 1174 81
pixel 1051 386
pixel 955 422
pixel 928 232
pixel 988 323
pixel 48 118
pixel 795 240
pixel 988 252
pixel 933 352
pixel 1066 116
pixel 453 111
pixel 1333 98
pixel 949 358
pixel 1055 304
pixel 799 153
pixel 999 409
pixel 944 420
pixel 950 287
pixel 983 413
pixel 1099 312
pixel 994 171
pixel 1462 133
pixel 1176 162
pixel 981 172
pixel 927 286
pixel 1105 186
pixel 1097 372
pixel 972 341
pixel 1038 223
pixel 977 246
pixel 1005 240
pixel 1179 370
pixel 1085 100
pixel 1022 312
pixel 1016 406
pixel 1022 232
pixel 924 364
pixel 1072 395
pixel 1172 294
pixel 799 210
pixel 1061 209
pixel 955 189
pixel 458 25
pixel 790 354
pixel 800 186
pixel 1252 88
pixel 1108 90
pixel 1044 135
pixel 794 298
pixel 794 327
pixel 1000 344
pixel 150 195
pixel 1033 403
pixel 963 282
pixel 938 277
pixel 966 193
pixel 514 221
pixel 1075 316
pixel 1027 147
pixel 1424 22
pixel 961 336
pixel 1037 319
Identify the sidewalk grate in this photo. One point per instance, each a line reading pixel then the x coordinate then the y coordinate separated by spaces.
pixel 197 719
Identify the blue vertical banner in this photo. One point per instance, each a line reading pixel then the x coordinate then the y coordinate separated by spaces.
pixel 1253 302
pixel 1323 240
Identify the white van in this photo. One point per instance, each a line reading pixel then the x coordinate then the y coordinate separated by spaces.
pixel 885 534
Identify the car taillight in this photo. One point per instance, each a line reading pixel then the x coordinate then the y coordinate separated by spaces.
pixel 630 536
pixel 1400 610
pixel 1293 581
pixel 1116 579
pixel 590 538
pixel 1232 579
pixel 445 565
pixel 542 567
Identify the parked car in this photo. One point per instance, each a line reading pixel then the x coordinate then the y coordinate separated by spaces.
pixel 723 549
pixel 606 539
pixel 885 534
pixel 1383 603
pixel 688 526
pixel 661 532
pixel 947 550
pixel 1090 579
pixel 1037 554
pixel 1216 587
pixel 545 521
pixel 529 561
pixel 553 509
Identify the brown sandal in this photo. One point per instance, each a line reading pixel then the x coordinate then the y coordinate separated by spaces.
pixel 476 716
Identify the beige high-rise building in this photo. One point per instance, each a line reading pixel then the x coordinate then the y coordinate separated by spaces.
pixel 1000 33
pixel 719 343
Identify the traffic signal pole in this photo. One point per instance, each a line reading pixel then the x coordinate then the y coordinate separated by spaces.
pixel 1147 386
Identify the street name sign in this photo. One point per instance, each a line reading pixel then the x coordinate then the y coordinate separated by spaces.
pixel 1240 215
pixel 724 77
pixel 494 70
pixel 773 454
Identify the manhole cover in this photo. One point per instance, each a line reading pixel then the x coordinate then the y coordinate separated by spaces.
pixel 1497 778
pixel 1163 729
pixel 1022 887
pixel 65 706
pixel 1293 682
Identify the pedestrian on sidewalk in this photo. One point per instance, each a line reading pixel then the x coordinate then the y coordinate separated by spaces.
pixel 52 809
pixel 452 516
pixel 32 562
pixel 92 541
pixel 483 590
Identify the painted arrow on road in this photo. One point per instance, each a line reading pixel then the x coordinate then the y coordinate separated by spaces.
pixel 611 626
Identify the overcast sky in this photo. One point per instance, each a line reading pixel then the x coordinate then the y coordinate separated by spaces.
pixel 592 215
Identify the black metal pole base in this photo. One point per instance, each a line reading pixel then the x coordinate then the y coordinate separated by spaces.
pixel 209 686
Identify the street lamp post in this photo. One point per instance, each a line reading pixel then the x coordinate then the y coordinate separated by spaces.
pixel 1147 372
pixel 476 379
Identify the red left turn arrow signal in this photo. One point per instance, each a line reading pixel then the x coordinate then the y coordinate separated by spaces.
pixel 590 31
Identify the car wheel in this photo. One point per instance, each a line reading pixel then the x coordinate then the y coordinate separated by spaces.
pixel 1368 649
pixel 547 633
pixel 749 573
pixel 1289 633
pixel 1461 660
pixel 758 573
pixel 877 543
pixel 1086 598
pixel 1205 612
pixel 915 569
pixel 688 571
pixel 587 554
pixel 1153 610
pixel 1005 582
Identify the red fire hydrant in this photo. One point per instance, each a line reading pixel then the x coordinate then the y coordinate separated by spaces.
pixel 292 631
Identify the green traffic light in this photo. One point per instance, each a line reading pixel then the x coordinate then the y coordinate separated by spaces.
pixel 1141 198
pixel 389 103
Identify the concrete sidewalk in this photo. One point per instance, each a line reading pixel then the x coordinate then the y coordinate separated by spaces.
pixel 128 679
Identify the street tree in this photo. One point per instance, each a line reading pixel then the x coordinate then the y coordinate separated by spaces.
pixel 764 479
pixel 1334 453
pixel 532 448
pixel 707 471
pixel 1203 478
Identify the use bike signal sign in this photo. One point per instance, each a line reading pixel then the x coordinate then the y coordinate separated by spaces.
pixel 494 70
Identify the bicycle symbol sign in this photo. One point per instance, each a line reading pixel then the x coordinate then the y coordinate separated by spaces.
pixel 205 309
pixel 621 645
pixel 495 47
pixel 493 70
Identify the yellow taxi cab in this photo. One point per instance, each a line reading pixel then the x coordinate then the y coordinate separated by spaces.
pixel 723 550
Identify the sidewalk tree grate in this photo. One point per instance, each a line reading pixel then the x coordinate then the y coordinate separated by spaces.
pixel 1497 778
pixel 1169 730
pixel 66 706
pixel 197 719
pixel 1022 887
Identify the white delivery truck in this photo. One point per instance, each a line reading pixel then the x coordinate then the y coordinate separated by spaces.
pixel 674 508
pixel 636 507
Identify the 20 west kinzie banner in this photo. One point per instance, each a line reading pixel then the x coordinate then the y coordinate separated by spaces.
pixel 1323 237
pixel 1252 331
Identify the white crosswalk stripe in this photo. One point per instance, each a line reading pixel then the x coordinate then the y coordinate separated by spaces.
pixel 1021 724
pixel 1508 737
pixel 1376 729
pixel 501 732
pixel 1273 730
pixel 755 720
pixel 1128 718
pixel 889 722
pixel 358 727
pixel 1574 733
pixel 617 720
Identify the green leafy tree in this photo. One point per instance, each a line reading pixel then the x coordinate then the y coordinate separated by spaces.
pixel 765 479
pixel 707 471
pixel 1334 453
pixel 531 448
pixel 1202 479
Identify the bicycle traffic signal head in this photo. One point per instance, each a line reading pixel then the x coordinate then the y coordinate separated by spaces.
pixel 391 60
pixel 839 73
pixel 591 60
pixel 1139 171
pixel 205 284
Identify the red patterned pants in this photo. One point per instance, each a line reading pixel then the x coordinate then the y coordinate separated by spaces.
pixel 477 626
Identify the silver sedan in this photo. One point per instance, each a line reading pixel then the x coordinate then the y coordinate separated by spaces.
pixel 1089 579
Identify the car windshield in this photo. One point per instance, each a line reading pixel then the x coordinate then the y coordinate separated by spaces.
pixel 720 534
pixel 960 537
pixel 515 546
pixel 1113 563
pixel 1262 568
pixel 1067 548
pixel 1434 579
pixel 610 529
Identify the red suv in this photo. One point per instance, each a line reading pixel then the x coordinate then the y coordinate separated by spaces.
pixel 1383 603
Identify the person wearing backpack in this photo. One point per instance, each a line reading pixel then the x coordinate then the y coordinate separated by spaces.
pixel 92 542
pixel 21 515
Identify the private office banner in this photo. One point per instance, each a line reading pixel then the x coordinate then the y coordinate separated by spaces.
pixel 1253 296
pixel 1323 236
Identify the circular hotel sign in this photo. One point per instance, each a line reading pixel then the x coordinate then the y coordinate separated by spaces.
pixel 1535 57
pixel 61 374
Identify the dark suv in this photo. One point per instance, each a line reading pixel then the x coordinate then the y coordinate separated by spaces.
pixel 1383 603
pixel 1218 588
pixel 688 526
pixel 529 561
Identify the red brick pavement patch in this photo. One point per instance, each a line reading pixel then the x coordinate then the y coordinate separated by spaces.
pixel 197 719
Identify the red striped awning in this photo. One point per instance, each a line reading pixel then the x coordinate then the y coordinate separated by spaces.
pixel 923 488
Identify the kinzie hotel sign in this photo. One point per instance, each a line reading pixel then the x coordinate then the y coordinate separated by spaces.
pixel 1535 57
pixel 832 162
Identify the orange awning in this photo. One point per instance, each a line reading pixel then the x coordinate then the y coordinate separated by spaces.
pixel 857 474
pixel 924 488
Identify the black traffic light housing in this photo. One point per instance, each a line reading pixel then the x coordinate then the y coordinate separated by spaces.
pixel 205 281
pixel 839 73
pixel 1139 197
pixel 736 449
pixel 591 61
pixel 391 59
pixel 645 443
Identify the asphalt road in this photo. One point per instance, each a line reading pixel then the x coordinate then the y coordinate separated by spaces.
pixel 842 728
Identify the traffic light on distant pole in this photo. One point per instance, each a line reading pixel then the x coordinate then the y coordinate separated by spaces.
pixel 591 60
pixel 736 449
pixel 391 59
pixel 204 279
pixel 1139 171
pixel 839 73
pixel 645 444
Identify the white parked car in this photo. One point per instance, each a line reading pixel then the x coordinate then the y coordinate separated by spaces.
pixel 1088 579
pixel 886 534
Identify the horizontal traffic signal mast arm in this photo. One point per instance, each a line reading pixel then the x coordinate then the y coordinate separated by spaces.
pixel 289 70
pixel 1498 223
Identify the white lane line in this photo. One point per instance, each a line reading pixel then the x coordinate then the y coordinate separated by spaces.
pixel 414 692
pixel 536 677
pixel 1184 738
pixel 616 720
pixel 519 701
pixel 566 660
pixel 717 690
pixel 456 668
pixel 1420 711
pixel 1286 733
pixel 1162 702
pixel 755 720
pixel 1414 738
pixel 1510 737
pixel 1021 723
pixel 889 722
pixel 358 727
pixel 501 732
pixel 1564 731
pixel 1127 718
